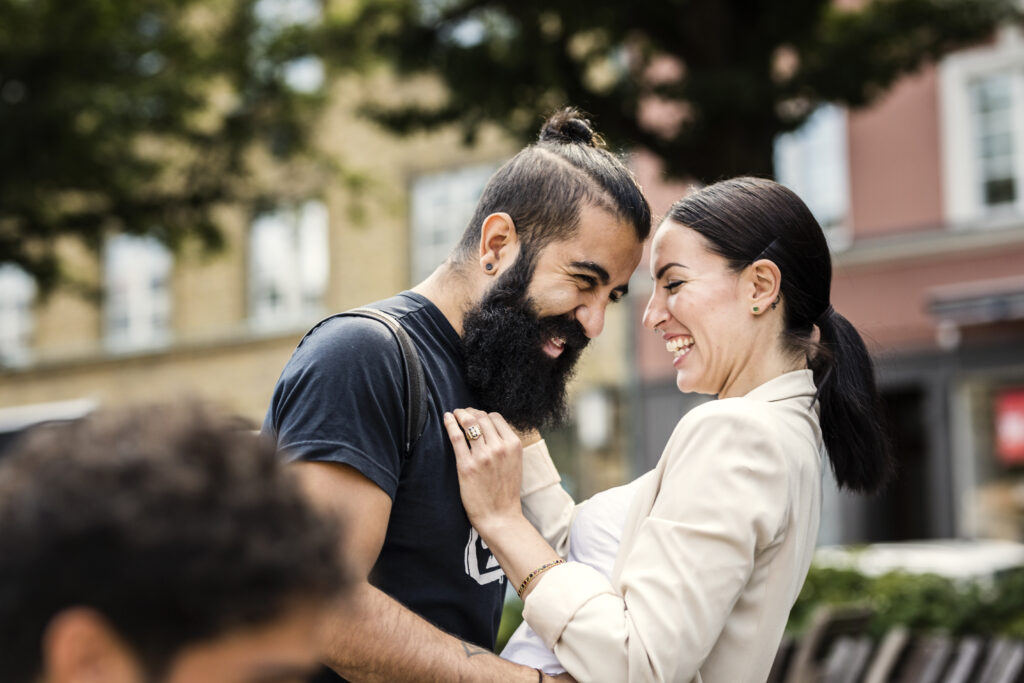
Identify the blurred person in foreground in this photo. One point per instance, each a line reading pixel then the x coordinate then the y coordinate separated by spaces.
pixel 501 323
pixel 158 544
pixel 689 572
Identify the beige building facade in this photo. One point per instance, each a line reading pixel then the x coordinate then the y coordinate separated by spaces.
pixel 221 327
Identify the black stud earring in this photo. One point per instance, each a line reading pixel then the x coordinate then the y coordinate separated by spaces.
pixel 489 266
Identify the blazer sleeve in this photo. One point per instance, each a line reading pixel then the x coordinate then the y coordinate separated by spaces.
pixel 547 506
pixel 723 496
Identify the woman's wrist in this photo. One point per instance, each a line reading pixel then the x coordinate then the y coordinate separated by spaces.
pixel 519 549
pixel 500 525
pixel 525 586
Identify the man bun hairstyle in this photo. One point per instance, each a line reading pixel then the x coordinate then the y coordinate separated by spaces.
pixel 568 127
pixel 544 187
pixel 747 219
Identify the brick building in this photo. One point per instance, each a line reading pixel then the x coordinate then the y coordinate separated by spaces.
pixel 921 196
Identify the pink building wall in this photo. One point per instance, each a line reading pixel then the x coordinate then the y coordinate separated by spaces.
pixel 895 189
pixel 895 160
pixel 888 302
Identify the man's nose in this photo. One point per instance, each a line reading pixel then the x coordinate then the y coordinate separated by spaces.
pixel 591 317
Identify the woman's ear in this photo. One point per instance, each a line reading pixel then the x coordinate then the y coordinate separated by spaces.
pixel 765 280
pixel 499 243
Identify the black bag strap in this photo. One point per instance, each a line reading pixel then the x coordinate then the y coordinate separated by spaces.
pixel 415 384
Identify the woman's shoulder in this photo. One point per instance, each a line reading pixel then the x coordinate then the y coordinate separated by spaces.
pixel 730 450
pixel 740 411
pixel 729 433
pixel 736 431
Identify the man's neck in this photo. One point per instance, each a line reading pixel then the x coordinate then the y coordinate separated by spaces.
pixel 452 291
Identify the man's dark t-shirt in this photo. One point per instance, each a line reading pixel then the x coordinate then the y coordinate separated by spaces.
pixel 341 399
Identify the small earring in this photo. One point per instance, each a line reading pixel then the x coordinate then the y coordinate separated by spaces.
pixel 776 302
pixel 489 266
pixel 756 309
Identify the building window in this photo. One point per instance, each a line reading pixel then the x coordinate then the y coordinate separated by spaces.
pixel 991 110
pixel 289 266
pixel 137 277
pixel 17 297
pixel 442 205
pixel 813 162
pixel 981 94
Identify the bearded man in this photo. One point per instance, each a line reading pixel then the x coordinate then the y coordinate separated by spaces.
pixel 499 326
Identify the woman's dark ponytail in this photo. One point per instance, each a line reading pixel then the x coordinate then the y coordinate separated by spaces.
pixel 746 219
pixel 852 424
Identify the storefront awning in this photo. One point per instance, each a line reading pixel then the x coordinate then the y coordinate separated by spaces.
pixel 978 303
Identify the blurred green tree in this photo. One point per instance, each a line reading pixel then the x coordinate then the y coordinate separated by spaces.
pixel 706 85
pixel 143 116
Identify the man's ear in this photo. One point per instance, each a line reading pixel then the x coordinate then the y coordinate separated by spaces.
pixel 499 243
pixel 765 283
pixel 80 646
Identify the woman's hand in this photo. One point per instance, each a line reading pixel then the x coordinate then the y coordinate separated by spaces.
pixel 490 466
pixel 489 460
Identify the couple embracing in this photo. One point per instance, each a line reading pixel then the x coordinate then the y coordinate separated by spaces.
pixel 685 574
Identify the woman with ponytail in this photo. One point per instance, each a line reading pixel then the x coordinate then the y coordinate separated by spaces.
pixel 689 572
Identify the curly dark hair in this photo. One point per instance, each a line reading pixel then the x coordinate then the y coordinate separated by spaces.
pixel 172 522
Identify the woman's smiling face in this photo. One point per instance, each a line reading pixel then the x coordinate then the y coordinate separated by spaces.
pixel 699 308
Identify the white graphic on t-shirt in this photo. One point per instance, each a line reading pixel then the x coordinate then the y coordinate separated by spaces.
pixel 479 555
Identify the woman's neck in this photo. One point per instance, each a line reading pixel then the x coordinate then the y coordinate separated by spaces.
pixel 763 367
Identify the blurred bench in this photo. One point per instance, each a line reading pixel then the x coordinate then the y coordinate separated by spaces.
pixel 838 649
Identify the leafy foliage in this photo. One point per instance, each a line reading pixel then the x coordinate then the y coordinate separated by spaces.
pixel 143 116
pixel 139 116
pixel 511 617
pixel 921 602
pixel 705 84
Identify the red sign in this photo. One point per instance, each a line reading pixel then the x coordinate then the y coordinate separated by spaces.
pixel 1010 426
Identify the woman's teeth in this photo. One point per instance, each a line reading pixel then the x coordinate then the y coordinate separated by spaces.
pixel 679 346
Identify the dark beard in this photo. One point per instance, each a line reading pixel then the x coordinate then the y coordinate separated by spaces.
pixel 506 367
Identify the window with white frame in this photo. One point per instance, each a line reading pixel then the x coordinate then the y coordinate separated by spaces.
pixel 813 162
pixel 992 131
pixel 137 285
pixel 981 95
pixel 17 297
pixel 442 204
pixel 289 265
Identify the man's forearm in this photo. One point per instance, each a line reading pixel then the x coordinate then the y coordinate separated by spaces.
pixel 375 639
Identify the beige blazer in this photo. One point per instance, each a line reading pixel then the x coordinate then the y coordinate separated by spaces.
pixel 714 551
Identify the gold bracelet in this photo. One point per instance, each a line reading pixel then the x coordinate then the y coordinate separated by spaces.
pixel 534 574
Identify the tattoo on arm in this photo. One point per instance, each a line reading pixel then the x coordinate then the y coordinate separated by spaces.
pixel 473 650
